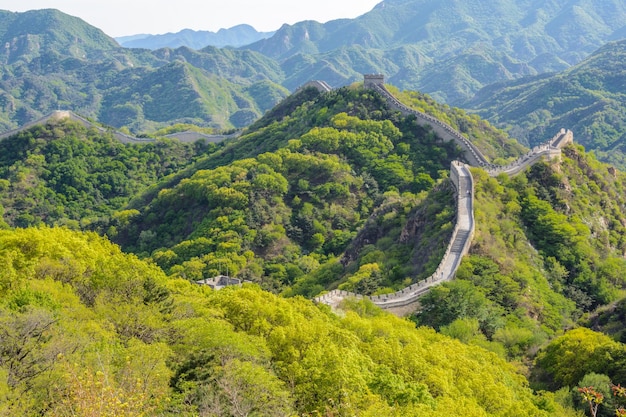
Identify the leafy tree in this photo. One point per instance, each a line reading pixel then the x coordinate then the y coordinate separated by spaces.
pixel 458 300
pixel 568 358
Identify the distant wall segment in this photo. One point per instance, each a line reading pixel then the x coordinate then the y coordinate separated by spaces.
pixel 321 86
pixel 59 115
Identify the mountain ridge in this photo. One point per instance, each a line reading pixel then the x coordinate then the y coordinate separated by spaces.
pixel 56 61
pixel 234 87
pixel 589 96
pixel 517 38
pixel 236 36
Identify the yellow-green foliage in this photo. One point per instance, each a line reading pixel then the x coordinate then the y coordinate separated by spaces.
pixel 88 330
pixel 579 352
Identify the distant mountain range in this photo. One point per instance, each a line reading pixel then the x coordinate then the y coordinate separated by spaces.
pixel 448 49
pixel 236 36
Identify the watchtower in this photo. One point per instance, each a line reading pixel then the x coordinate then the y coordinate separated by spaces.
pixel 373 79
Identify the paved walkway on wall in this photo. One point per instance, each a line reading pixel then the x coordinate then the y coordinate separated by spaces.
pixel 458 247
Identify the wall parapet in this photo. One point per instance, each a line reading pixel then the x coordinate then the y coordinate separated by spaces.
pixel 550 149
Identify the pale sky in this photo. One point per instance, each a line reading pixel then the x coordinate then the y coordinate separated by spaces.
pixel 129 17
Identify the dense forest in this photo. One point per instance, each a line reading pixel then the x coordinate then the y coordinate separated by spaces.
pixel 102 244
pixel 88 330
pixel 65 174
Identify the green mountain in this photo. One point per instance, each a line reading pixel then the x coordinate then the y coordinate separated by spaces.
pixel 300 209
pixel 236 36
pixel 589 97
pixel 447 48
pixel 321 215
pixel 287 194
pixel 31 35
pixel 65 174
pixel 53 61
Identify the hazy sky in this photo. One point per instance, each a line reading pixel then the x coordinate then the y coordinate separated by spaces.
pixel 130 17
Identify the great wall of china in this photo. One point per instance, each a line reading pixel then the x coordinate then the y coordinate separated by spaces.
pixel 58 115
pixel 406 300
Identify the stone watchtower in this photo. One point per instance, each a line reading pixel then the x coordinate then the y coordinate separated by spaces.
pixel 372 80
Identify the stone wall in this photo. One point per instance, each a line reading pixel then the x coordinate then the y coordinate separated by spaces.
pixel 443 130
pixel 59 115
pixel 550 149
pixel 407 299
pixel 373 80
pixel 321 86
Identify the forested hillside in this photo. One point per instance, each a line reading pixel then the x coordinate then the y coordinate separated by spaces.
pixel 588 97
pixel 106 333
pixel 52 60
pixel 64 174
pixel 282 204
pixel 326 191
pixel 549 247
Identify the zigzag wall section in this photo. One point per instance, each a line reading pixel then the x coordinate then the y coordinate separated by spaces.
pixel 406 300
